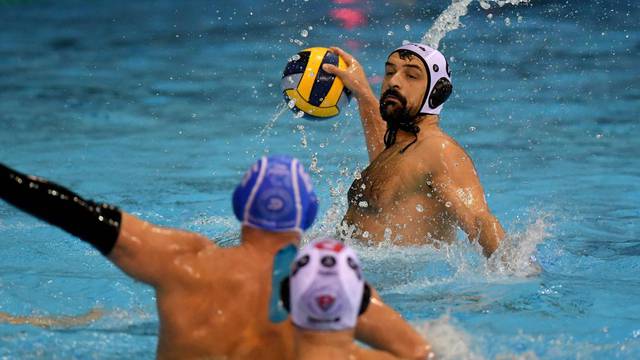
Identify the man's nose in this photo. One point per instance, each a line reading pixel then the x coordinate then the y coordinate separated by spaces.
pixel 394 81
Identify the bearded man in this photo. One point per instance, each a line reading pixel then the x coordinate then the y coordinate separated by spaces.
pixel 420 184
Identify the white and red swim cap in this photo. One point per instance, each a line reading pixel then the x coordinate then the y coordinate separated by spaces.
pixel 326 286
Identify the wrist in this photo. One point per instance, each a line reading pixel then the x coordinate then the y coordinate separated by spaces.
pixel 364 94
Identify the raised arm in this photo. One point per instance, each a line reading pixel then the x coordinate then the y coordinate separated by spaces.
pixel 152 254
pixel 383 328
pixel 140 249
pixel 458 186
pixel 355 79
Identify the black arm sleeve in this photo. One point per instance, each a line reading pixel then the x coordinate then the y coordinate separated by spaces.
pixel 97 224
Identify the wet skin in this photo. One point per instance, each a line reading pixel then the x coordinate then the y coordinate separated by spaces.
pixel 334 345
pixel 213 302
pixel 423 194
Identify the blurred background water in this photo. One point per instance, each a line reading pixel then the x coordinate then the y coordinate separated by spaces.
pixel 160 106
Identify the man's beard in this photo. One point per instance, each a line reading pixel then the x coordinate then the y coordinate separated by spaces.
pixel 397 118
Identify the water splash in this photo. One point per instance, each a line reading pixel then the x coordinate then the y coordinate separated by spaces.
pixel 449 20
pixel 516 255
pixel 410 270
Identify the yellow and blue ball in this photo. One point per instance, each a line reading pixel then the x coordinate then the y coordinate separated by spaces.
pixel 307 88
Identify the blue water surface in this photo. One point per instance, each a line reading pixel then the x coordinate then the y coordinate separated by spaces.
pixel 160 106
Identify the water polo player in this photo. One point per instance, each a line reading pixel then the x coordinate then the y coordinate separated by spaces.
pixel 420 184
pixel 325 294
pixel 204 292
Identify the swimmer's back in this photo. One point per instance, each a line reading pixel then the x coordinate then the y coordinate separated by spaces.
pixel 221 308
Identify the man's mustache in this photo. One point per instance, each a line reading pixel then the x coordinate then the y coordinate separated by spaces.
pixel 394 93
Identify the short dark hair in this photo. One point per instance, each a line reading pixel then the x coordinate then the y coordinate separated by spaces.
pixel 405 54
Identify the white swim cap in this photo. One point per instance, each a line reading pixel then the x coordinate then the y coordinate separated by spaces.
pixel 326 287
pixel 439 85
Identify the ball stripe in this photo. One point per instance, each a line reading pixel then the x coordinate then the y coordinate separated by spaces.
pixel 311 72
pixel 297 66
pixel 324 80
pixel 304 105
pixel 332 96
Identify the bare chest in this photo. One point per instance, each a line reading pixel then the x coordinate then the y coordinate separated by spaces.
pixel 387 180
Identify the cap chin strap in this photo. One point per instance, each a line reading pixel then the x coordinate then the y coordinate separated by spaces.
pixel 392 131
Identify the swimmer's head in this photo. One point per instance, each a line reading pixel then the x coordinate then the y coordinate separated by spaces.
pixel 276 194
pixel 326 288
pixel 417 81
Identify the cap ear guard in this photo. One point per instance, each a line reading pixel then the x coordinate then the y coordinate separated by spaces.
pixel 284 294
pixel 286 300
pixel 440 93
pixel 366 299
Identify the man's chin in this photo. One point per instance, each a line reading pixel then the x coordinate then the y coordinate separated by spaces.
pixel 391 109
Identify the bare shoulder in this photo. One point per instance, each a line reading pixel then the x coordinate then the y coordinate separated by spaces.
pixel 440 149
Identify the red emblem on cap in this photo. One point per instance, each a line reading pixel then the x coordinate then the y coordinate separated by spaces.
pixel 330 245
pixel 325 301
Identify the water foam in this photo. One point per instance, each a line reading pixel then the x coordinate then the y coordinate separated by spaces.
pixel 448 341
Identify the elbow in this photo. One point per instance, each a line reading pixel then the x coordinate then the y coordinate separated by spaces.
pixel 421 352
pixel 415 348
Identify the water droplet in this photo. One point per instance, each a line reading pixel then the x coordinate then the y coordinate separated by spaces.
pixel 363 204
pixel 489 16
pixel 485 5
pixel 387 234
pixel 295 57
pixel 299 114
pixel 419 208
pixel 520 18
pixel 357 175
pixel 390 33
pixel 365 234
pixel 407 27
pixel 304 33
pixel 448 204
pixel 292 103
pixel 507 21
pixel 599 136
pixel 405 42
pixel 472 128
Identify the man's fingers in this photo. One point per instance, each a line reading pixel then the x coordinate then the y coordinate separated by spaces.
pixel 332 69
pixel 345 56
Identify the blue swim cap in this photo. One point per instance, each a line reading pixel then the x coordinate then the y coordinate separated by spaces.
pixel 276 194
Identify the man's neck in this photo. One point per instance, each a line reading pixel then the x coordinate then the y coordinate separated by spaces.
pixel 424 122
pixel 316 345
pixel 267 242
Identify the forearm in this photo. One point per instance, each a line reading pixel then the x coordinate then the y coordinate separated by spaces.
pixel 383 328
pixel 489 234
pixel 97 224
pixel 373 125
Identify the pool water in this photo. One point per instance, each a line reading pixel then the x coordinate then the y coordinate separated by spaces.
pixel 160 106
